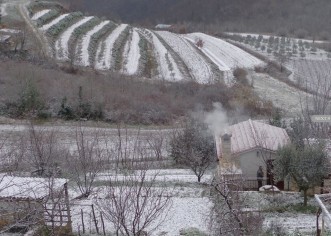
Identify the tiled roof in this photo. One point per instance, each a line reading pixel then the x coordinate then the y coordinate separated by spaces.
pixel 250 134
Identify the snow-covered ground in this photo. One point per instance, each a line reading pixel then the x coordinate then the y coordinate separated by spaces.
pixel 62 44
pixel 230 55
pixel 132 54
pixel 104 63
pixel 40 14
pixel 83 57
pixel 54 22
pixel 167 66
pixel 199 68
pixel 281 94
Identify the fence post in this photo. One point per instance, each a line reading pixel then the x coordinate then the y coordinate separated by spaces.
pixel 82 215
pixel 95 220
pixel 103 224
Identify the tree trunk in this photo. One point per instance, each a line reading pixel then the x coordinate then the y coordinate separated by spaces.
pixel 305 197
pixel 199 179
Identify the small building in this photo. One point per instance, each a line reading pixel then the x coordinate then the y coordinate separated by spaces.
pixel 248 145
pixel 27 201
pixel 163 27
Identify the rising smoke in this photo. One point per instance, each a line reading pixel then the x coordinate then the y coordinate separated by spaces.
pixel 217 119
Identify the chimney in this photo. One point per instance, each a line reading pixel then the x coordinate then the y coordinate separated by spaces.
pixel 226 147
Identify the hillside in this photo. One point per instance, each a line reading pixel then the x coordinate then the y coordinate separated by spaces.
pixel 273 16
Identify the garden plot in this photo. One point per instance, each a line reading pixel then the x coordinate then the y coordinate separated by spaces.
pixel 61 45
pixel 199 68
pixel 132 54
pixel 167 67
pixel 104 52
pixel 83 57
pixel 54 22
pixel 40 14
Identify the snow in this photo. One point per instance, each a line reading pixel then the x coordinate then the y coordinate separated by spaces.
pixel 132 54
pixel 84 56
pixel 54 22
pixel 61 45
pixel 282 95
pixel 3 11
pixel 27 187
pixel 167 66
pixel 228 55
pixel 3 38
pixel 105 62
pixel 164 175
pixel 199 69
pixel 11 31
pixel 40 14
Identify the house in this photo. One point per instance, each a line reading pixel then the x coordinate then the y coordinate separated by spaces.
pixel 248 145
pixel 27 201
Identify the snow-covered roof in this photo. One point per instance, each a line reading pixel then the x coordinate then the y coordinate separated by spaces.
pixel 28 187
pixel 249 135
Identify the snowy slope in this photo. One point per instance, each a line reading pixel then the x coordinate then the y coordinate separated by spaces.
pixel 61 45
pixel 84 55
pixel 167 66
pixel 104 63
pixel 132 54
pixel 40 14
pixel 54 22
pixel 199 68
pixel 228 55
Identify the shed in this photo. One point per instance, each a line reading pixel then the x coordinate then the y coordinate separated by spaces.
pixel 26 201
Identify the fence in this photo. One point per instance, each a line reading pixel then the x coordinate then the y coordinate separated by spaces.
pixel 87 219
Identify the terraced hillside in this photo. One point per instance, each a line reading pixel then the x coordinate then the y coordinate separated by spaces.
pixel 103 45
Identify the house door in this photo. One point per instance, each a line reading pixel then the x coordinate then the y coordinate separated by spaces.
pixel 270 176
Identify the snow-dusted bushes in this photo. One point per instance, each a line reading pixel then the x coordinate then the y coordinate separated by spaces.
pixel 38 6
pixel 81 30
pixel 47 17
pixel 58 28
pixel 118 48
pixel 93 46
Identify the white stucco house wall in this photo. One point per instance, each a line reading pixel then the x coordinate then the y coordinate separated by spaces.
pixel 247 145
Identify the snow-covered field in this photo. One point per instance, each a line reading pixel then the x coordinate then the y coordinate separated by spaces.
pixel 40 14
pixel 313 74
pixel 132 54
pixel 281 94
pixel 61 45
pixel 167 66
pixel 199 68
pixel 83 57
pixel 54 22
pixel 230 55
pixel 104 52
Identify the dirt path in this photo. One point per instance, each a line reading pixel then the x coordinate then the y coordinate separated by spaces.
pixel 21 6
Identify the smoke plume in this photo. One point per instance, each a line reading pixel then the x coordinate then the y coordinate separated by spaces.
pixel 217 119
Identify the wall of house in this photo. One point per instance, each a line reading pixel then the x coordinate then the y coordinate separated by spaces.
pixel 249 163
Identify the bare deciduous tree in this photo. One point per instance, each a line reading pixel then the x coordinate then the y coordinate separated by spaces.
pixel 228 216
pixel 134 204
pixel 87 160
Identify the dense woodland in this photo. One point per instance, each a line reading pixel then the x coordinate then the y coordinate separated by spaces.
pixel 296 17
